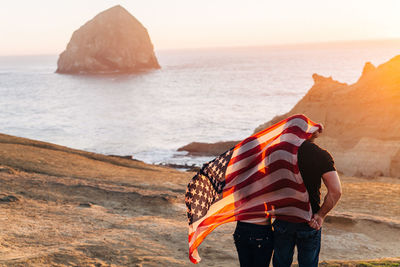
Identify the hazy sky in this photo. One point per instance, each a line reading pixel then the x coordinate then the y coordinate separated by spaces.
pixel 45 26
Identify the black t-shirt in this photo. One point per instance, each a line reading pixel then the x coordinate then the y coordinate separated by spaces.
pixel 313 163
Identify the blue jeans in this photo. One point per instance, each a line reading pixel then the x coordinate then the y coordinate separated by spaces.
pixel 288 235
pixel 254 244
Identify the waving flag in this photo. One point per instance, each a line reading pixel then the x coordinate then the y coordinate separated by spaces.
pixel 256 179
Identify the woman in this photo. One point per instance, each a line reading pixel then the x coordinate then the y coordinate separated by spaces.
pixel 254 242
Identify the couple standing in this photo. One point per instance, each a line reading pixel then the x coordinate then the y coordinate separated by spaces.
pixel 257 241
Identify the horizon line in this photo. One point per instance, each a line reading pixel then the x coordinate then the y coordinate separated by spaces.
pixel 280 45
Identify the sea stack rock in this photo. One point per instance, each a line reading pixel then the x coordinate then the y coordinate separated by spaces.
pixel 114 41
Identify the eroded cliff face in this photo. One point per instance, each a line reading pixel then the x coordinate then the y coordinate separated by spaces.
pixel 113 41
pixel 362 120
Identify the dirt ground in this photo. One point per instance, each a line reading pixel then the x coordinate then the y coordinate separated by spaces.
pixel 65 207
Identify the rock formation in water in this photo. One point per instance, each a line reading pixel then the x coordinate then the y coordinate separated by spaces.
pixel 362 125
pixel 207 149
pixel 113 41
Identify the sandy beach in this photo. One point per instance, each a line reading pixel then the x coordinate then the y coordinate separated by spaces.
pixel 66 207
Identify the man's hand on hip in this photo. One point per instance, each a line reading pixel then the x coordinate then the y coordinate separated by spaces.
pixel 316 222
pixel 332 183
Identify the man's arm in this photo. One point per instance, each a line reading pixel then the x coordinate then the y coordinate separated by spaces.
pixel 332 183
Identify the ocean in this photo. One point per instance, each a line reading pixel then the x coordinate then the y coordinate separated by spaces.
pixel 204 95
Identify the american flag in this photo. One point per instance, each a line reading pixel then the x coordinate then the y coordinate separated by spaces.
pixel 256 179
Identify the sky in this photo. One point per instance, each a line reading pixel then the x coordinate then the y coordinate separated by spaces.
pixel 46 26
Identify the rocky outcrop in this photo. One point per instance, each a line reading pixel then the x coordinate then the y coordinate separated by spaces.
pixel 207 149
pixel 113 41
pixel 362 126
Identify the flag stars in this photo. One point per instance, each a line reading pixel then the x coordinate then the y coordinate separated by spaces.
pixel 203 199
pixel 193 192
pixel 205 187
pixel 199 213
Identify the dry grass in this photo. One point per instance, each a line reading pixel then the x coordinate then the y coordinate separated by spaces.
pixel 371 263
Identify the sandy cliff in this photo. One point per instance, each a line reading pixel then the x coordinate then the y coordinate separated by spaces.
pixel 113 41
pixel 362 126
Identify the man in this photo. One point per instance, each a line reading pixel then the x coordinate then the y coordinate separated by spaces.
pixel 314 164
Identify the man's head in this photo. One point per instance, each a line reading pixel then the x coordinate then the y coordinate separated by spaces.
pixel 317 133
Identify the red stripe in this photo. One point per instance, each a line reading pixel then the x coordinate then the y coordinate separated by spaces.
pixel 263 132
pixel 248 153
pixel 190 236
pixel 289 218
pixel 229 177
pixel 290 202
pixel 201 237
pixel 282 145
pixel 279 164
pixel 284 183
pixel 282 203
pixel 293 130
pixel 273 127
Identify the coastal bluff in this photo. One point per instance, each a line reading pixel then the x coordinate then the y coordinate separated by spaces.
pixel 113 41
pixel 361 120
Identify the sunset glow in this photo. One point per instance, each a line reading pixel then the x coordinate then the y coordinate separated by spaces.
pixel 44 26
